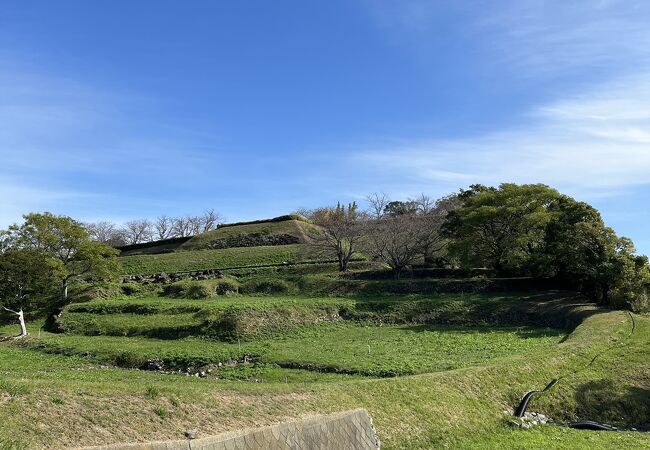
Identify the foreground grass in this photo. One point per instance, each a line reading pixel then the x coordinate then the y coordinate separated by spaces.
pixel 347 348
pixel 56 401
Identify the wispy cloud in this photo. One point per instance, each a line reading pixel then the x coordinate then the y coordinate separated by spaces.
pixel 529 38
pixel 594 144
pixel 556 37
pixel 59 135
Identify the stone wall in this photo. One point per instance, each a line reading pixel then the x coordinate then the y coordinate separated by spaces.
pixel 344 430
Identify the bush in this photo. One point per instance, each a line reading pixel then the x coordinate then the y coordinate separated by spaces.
pixel 267 286
pixel 191 289
pixel 637 301
pixel 87 291
pixel 131 288
pixel 226 286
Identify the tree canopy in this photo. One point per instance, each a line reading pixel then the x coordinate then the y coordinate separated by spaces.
pixel 534 230
pixel 66 245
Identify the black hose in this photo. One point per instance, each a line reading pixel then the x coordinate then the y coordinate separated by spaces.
pixel 523 405
pixel 591 425
pixel 583 424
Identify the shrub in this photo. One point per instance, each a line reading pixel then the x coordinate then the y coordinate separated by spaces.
pixel 266 286
pixel 227 286
pixel 161 411
pixel 198 290
pixel 152 392
pixel 131 288
pixel 637 302
pixel 191 289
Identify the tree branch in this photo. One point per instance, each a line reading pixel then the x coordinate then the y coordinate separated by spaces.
pixel 10 310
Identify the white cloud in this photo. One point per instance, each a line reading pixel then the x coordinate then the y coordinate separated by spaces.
pixel 594 144
pixel 529 38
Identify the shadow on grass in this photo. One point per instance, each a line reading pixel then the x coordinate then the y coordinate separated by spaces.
pixel 623 406
pixel 522 332
pixel 564 310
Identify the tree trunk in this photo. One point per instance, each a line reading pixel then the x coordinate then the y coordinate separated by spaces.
pixel 429 260
pixel 605 299
pixel 64 293
pixel 21 319
pixel 342 263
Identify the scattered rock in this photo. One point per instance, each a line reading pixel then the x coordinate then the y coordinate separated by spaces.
pixel 154 364
pixel 191 434
pixel 530 420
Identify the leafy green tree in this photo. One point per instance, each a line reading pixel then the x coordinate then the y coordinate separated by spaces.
pixel 67 245
pixel 502 228
pixel 593 258
pixel 535 230
pixel 26 277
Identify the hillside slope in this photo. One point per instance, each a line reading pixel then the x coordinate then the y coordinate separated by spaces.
pixel 57 401
pixel 263 233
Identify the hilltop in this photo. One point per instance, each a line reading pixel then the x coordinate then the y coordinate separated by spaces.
pixel 282 230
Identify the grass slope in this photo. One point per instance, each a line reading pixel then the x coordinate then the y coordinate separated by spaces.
pixel 289 227
pixel 209 259
pixel 268 315
pixel 329 347
pixel 58 401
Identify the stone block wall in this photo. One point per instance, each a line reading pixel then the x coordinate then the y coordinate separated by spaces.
pixel 351 430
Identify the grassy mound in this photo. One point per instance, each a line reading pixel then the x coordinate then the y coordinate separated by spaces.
pixel 209 259
pixel 231 317
pixel 244 235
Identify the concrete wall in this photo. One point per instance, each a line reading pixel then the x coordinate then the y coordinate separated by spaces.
pixel 344 430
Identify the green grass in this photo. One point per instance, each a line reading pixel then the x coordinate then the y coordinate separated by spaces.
pixel 328 347
pixel 247 317
pixel 471 361
pixel 290 227
pixel 401 350
pixel 463 408
pixel 209 259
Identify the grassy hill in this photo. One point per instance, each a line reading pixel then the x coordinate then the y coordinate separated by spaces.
pixel 235 235
pixel 438 362
pixel 283 230
pixel 209 259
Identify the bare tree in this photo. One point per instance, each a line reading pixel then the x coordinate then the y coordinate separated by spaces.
pixel 423 203
pixel 210 220
pixel 338 234
pixel 105 232
pixel 408 231
pixel 195 224
pixel 396 241
pixel 181 227
pixel 164 227
pixel 138 231
pixel 377 205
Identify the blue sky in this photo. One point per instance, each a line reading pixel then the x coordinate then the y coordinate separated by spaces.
pixel 116 110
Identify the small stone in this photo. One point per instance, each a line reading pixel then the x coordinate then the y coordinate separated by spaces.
pixel 191 434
